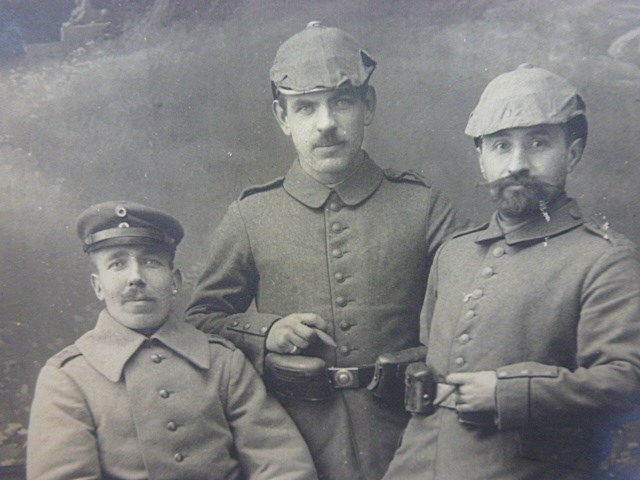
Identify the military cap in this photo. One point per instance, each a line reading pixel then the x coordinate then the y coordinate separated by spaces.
pixel 524 97
pixel 320 58
pixel 126 223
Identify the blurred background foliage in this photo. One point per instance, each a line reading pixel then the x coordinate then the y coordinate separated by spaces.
pixel 171 107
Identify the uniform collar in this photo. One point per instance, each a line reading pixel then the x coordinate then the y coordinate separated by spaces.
pixel 359 186
pixel 110 345
pixel 564 213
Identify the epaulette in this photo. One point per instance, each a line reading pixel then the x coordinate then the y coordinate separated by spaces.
pixel 613 237
pixel 276 182
pixel 469 230
pixel 63 356
pixel 221 341
pixel 410 176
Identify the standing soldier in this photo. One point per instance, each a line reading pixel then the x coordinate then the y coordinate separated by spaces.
pixel 335 255
pixel 532 320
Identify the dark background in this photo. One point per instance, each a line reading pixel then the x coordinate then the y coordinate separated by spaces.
pixel 175 112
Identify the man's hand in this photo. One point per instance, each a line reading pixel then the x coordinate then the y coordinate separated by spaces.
pixel 296 332
pixel 476 391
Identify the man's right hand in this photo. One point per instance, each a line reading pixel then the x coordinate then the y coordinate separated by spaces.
pixel 296 332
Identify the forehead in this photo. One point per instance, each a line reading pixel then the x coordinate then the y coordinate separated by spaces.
pixel 318 97
pixel 123 251
pixel 526 132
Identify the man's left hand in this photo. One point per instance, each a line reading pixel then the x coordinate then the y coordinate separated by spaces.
pixel 476 391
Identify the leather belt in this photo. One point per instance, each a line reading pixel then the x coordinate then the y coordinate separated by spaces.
pixel 446 396
pixel 350 377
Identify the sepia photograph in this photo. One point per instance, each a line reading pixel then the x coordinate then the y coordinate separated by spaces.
pixel 319 239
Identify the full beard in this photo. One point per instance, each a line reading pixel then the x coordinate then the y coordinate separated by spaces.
pixel 524 202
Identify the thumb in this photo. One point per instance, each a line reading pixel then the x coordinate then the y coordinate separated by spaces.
pixel 457 378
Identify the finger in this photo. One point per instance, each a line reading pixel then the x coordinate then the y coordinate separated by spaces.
pixel 297 341
pixel 302 331
pixel 457 378
pixel 464 408
pixel 325 338
pixel 313 320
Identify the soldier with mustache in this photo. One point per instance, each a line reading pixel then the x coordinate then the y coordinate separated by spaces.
pixel 531 321
pixel 335 255
pixel 143 394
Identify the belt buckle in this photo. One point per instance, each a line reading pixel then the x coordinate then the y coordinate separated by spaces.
pixel 345 377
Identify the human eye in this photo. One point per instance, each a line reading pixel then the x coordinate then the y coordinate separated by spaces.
pixel 500 146
pixel 153 262
pixel 344 102
pixel 116 264
pixel 539 143
pixel 304 108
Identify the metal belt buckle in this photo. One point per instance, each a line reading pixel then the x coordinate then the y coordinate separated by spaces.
pixel 345 377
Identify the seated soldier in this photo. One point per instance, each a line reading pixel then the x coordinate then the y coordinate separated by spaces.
pixel 144 395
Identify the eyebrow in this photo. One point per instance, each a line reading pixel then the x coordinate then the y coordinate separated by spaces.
pixel 540 131
pixel 296 102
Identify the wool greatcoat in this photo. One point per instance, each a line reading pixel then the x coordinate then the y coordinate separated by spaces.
pixel 553 308
pixel 178 405
pixel 357 255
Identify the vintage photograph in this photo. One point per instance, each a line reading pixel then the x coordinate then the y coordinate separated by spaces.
pixel 319 239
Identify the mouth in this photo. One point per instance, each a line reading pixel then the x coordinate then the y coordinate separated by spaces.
pixel 140 300
pixel 328 145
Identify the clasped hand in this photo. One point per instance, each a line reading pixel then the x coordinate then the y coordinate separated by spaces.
pixel 476 391
pixel 296 332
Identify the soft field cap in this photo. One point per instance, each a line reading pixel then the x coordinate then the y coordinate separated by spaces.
pixel 320 58
pixel 524 97
pixel 122 223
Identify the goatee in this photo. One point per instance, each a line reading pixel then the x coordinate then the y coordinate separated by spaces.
pixel 521 195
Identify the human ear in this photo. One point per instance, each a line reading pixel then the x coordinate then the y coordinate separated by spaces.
pixel 574 153
pixel 176 282
pixel 97 286
pixel 280 113
pixel 369 105
pixel 479 151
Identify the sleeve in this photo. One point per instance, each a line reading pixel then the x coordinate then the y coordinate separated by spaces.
pixel 61 442
pixel 442 222
pixel 226 289
pixel 268 443
pixel 606 379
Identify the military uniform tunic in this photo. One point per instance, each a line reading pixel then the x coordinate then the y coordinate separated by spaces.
pixel 357 255
pixel 554 309
pixel 177 405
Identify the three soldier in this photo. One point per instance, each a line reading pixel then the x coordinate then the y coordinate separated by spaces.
pixel 529 319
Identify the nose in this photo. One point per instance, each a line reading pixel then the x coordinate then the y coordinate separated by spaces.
pixel 326 119
pixel 519 162
pixel 135 274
